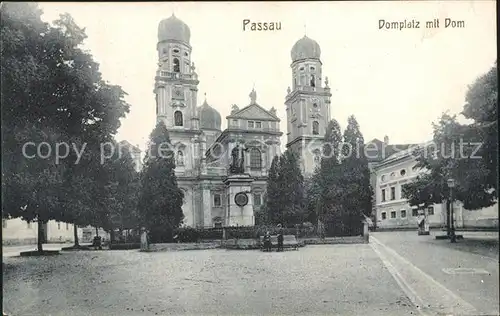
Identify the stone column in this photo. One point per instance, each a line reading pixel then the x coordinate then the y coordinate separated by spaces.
pixel 264 160
pixel 207 206
pixel 230 147
pixel 247 161
pixel 202 149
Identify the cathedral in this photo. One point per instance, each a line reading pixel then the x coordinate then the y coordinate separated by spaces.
pixel 214 195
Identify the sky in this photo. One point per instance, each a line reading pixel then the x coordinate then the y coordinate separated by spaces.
pixel 395 82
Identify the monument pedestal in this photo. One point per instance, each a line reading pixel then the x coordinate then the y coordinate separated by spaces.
pixel 239 211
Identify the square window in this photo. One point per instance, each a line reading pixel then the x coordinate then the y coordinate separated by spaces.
pixel 250 124
pixel 58 225
pixel 217 200
pixel 67 226
pixel 258 124
pixel 29 225
pixel 403 213
pixel 393 214
pixel 414 212
pixel 235 122
pixel 384 215
pixel 430 210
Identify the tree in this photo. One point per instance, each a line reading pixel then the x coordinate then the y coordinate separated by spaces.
pixel 273 198
pixel 160 200
pixel 122 192
pixel 55 94
pixel 285 191
pixel 329 174
pixel 455 153
pixel 357 196
pixel 291 188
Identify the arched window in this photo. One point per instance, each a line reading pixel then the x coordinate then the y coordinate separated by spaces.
pixel 315 128
pixel 255 159
pixel 313 81
pixel 177 67
pixel 178 118
pixel 180 158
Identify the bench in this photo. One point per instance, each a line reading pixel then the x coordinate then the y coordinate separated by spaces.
pixel 289 241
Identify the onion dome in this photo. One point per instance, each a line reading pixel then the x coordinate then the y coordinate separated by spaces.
pixel 305 48
pixel 209 117
pixel 173 29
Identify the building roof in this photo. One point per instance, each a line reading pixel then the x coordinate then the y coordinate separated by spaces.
pixel 305 48
pixel 173 29
pixel 210 118
pixel 377 150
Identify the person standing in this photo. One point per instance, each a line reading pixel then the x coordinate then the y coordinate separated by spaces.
pixel 280 238
pixel 267 242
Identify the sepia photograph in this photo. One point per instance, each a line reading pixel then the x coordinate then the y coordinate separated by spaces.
pixel 250 158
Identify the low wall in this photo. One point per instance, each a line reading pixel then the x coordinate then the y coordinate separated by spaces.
pixel 335 240
pixel 19 242
pixel 182 246
pixel 246 244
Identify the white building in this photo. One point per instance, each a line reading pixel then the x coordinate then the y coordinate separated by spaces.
pixel 203 150
pixel 393 211
pixel 16 231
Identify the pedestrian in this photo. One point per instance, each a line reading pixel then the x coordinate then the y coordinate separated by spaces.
pixel 280 238
pixel 267 241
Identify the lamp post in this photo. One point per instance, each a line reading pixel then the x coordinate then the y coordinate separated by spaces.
pixel 451 185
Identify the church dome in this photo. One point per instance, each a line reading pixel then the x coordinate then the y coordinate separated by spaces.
pixel 209 117
pixel 305 48
pixel 173 29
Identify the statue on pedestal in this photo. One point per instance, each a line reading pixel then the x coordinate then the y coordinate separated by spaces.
pixel 238 160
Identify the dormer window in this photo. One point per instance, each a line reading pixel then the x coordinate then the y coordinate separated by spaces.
pixel 175 51
pixel 312 68
pixel 254 124
pixel 301 69
pixel 186 54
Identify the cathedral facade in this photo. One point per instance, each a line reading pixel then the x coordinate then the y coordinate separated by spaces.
pixel 212 196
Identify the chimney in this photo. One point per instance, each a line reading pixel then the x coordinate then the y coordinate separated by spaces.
pixel 386 140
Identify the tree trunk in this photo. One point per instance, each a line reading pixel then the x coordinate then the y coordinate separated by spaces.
pixel 75 232
pixel 448 210
pixel 112 236
pixel 40 238
pixel 97 231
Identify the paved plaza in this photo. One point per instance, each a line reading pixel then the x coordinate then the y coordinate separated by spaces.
pixel 389 276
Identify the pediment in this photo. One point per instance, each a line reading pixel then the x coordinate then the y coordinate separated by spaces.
pixel 254 112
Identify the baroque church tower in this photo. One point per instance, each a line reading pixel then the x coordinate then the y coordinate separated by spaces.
pixel 307 104
pixel 176 87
